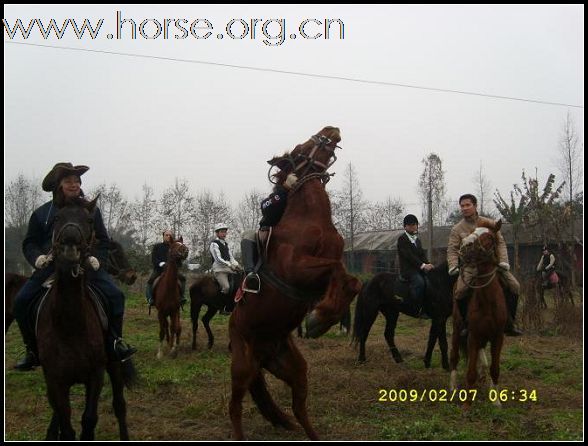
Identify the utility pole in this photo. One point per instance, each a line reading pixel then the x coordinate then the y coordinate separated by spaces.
pixel 430 202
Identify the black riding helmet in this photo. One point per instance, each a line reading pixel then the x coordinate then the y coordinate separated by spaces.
pixel 410 220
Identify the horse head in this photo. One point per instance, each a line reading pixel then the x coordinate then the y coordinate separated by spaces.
pixel 73 234
pixel 118 264
pixel 481 245
pixel 178 252
pixel 314 156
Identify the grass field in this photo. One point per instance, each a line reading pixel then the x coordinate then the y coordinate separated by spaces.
pixel 187 398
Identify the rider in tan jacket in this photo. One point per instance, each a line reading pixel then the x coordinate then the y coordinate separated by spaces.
pixel 468 205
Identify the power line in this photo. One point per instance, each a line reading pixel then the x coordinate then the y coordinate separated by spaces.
pixel 296 73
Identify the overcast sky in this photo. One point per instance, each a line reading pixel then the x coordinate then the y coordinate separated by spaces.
pixel 147 120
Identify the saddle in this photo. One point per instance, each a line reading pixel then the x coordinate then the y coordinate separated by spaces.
pixel 403 298
pixel 101 304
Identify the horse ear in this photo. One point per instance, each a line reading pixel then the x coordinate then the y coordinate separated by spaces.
pixel 180 239
pixel 498 225
pixel 91 206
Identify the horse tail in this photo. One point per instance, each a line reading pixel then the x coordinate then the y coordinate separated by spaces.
pixel 366 311
pixel 129 373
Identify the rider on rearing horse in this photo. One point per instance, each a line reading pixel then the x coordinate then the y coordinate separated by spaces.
pixel 272 209
pixel 413 262
pixel 64 182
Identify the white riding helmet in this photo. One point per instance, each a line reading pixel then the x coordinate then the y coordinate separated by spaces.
pixel 220 226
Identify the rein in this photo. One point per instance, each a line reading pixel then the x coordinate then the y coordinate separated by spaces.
pixel 491 273
pixel 308 161
pixel 324 177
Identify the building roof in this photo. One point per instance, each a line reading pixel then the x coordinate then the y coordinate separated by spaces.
pixel 386 240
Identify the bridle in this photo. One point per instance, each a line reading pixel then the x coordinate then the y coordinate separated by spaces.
pixel 85 245
pixel 303 164
pixel 487 253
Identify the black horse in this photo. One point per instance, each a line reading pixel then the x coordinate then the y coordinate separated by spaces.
pixel 206 291
pixel 378 295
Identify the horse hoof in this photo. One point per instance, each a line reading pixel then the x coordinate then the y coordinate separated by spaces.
pixel 159 355
pixel 173 353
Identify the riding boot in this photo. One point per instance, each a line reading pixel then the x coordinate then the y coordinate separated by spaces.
pixel 116 348
pixel 511 305
pixel 183 299
pixel 31 358
pixel 462 305
pixel 248 254
pixel 149 294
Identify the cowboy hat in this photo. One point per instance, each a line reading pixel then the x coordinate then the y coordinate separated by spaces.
pixel 60 171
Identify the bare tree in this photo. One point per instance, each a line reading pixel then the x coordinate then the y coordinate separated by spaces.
pixel 571 158
pixel 483 188
pixel 144 216
pixel 208 211
pixel 384 216
pixel 349 207
pixel 115 209
pixel 571 167
pixel 21 197
pixel 177 206
pixel 249 211
pixel 432 190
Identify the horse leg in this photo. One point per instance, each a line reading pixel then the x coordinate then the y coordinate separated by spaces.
pixel 90 415
pixel 454 356
pixel 495 349
pixel 365 316
pixel 176 331
pixel 163 333
pixel 291 368
pixel 119 404
pixel 53 429
pixel 194 315
pixel 243 370
pixel 442 337
pixel 266 404
pixel 472 369
pixel 58 396
pixel 391 319
pixel 206 322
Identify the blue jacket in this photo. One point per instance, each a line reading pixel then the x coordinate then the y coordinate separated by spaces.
pixel 40 232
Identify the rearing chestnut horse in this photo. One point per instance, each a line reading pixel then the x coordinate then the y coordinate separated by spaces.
pixel 486 313
pixel 303 266
pixel 166 294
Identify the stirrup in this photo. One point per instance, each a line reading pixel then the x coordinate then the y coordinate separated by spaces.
pixel 249 290
pixel 122 350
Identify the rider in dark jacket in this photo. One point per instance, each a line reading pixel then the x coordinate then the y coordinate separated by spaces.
pixel 64 182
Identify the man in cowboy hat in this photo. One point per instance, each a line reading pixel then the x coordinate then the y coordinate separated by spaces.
pixel 64 181
pixel 159 255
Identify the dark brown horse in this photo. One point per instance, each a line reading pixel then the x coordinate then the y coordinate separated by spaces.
pixel 206 291
pixel 487 311
pixel 70 335
pixel 166 294
pixel 303 266
pixel 378 295
pixel 117 265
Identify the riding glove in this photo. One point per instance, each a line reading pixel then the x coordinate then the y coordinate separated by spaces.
pixel 505 266
pixel 94 263
pixel 43 261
